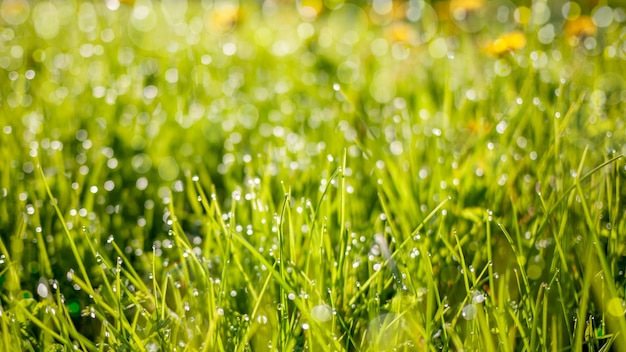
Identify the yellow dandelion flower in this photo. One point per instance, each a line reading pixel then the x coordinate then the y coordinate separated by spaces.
pixel 442 9
pixel 581 26
pixel 401 32
pixel 223 18
pixel 399 10
pixel 507 42
pixel 478 126
pixel 14 11
pixel 468 15
pixel 310 8
pixel 466 5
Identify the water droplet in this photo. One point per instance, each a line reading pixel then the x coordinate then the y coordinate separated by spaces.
pixel 321 313
pixel 469 312
pixel 42 289
pixel 478 297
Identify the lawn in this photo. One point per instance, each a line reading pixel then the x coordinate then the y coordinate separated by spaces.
pixel 314 175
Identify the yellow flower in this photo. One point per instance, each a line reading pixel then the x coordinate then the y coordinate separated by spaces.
pixel 310 8
pixel 442 9
pixel 223 18
pixel 401 31
pixel 466 5
pixel 478 126
pixel 581 26
pixel 399 10
pixel 14 8
pixel 507 42
pixel 468 15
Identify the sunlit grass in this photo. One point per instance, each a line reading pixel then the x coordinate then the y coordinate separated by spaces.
pixel 317 175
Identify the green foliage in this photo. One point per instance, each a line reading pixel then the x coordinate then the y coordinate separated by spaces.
pixel 211 176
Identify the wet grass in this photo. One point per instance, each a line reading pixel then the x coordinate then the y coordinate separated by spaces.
pixel 216 177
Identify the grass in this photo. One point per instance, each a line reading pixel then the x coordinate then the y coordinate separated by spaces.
pixel 199 176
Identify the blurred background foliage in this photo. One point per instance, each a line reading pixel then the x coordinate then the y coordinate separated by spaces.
pixel 135 110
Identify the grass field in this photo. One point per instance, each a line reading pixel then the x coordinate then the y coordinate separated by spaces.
pixel 322 176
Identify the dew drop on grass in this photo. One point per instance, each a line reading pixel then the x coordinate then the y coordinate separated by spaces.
pixel 321 313
pixel 469 312
pixel 478 297
pixel 42 289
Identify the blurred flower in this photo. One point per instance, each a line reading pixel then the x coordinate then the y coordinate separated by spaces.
pixel 14 6
pixel 442 8
pixel 466 5
pixel 14 11
pixel 310 9
pixel 507 42
pixel 478 126
pixel 223 18
pixel 400 31
pixel 468 15
pixel 522 15
pixel 399 10
pixel 581 26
